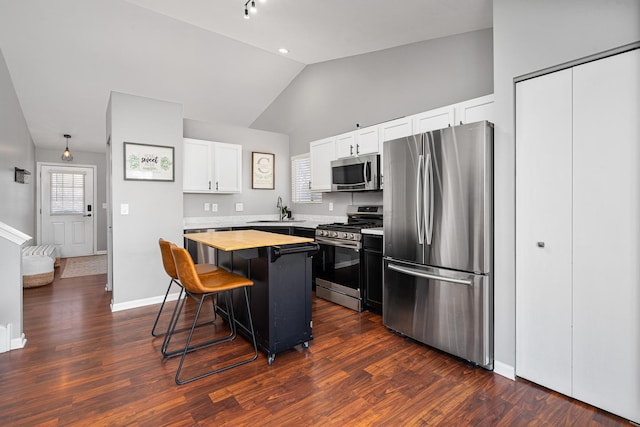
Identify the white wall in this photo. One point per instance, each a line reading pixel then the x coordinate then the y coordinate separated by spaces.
pixel 16 150
pixel 530 36
pixel 329 98
pixel 18 201
pixel 254 201
pixel 86 158
pixel 155 208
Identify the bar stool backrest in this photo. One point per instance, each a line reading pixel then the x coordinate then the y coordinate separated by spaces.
pixel 186 270
pixel 167 258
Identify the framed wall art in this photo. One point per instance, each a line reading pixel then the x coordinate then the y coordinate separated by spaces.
pixel 262 170
pixel 146 162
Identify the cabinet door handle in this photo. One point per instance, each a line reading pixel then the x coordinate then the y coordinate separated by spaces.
pixel 351 150
pixel 309 185
pixel 541 244
pixel 357 149
pixel 216 185
pixel 209 185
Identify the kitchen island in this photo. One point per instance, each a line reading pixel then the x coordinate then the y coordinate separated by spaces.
pixel 280 299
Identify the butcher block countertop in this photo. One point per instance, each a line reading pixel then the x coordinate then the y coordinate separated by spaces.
pixel 244 239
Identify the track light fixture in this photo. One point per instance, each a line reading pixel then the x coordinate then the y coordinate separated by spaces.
pixel 250 6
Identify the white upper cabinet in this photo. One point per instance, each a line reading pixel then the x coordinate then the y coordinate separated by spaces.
pixel 367 140
pixel 346 145
pixel 370 140
pixel 475 110
pixel 321 153
pixel 196 176
pixel 393 129
pixel 357 143
pixel 211 167
pixel 434 119
pixel 227 172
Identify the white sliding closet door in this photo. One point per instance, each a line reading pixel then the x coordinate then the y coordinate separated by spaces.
pixel 606 242
pixel 543 230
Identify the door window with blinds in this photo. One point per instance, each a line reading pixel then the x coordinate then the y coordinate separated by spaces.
pixel 67 193
pixel 301 180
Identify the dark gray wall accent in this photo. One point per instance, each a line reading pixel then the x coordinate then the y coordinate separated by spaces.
pixel 16 150
pixel 330 97
pixel 86 158
pixel 530 36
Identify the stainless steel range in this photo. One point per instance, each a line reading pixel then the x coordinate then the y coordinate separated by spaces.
pixel 338 278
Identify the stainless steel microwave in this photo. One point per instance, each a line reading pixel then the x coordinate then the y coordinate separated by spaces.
pixel 360 173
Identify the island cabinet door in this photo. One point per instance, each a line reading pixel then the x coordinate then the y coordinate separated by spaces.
pixel 280 299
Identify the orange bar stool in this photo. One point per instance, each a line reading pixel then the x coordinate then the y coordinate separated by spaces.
pixel 200 287
pixel 170 268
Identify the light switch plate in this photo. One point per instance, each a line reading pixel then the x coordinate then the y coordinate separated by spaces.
pixel 330 206
pixel 124 209
pixel 239 207
pixel 207 206
pixel 214 207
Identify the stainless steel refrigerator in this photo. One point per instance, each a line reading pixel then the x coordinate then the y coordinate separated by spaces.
pixel 438 239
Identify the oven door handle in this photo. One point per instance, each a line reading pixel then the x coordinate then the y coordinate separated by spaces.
pixel 348 245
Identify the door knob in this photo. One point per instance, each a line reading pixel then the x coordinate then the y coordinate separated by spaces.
pixel 87 215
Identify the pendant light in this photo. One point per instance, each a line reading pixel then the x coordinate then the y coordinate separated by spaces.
pixel 66 155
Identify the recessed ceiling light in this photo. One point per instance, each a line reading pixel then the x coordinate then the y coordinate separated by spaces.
pixel 283 50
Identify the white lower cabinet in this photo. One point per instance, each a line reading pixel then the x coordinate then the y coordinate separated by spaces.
pixel 211 167
pixel 578 232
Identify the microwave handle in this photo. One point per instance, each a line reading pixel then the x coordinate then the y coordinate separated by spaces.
pixel 366 172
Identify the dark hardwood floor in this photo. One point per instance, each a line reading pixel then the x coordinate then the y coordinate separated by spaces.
pixel 84 365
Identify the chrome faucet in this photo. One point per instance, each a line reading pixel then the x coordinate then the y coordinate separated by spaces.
pixel 281 211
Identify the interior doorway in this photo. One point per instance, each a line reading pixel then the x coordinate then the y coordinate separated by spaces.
pixel 66 208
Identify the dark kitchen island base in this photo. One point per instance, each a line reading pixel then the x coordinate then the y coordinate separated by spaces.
pixel 280 298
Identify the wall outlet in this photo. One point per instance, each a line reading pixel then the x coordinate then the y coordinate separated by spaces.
pixel 330 206
pixel 207 206
pixel 239 207
pixel 214 207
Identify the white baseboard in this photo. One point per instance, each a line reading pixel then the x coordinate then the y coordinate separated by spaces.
pixel 17 343
pixel 504 370
pixel 142 302
pixel 7 343
pixel 5 338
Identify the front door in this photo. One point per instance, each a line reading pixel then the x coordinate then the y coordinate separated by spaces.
pixel 67 214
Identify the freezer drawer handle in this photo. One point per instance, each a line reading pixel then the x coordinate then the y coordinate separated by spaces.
pixel 422 274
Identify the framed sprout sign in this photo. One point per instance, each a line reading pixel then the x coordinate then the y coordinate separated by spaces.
pixel 145 162
pixel 262 170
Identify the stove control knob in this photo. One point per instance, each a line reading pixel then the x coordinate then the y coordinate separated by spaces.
pixel 351 236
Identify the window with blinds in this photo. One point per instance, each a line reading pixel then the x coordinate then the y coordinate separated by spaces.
pixel 301 180
pixel 67 193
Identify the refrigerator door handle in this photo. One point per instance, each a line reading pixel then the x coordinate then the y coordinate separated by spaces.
pixel 419 273
pixel 427 200
pixel 419 219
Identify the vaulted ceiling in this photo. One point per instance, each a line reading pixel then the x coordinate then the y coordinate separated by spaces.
pixel 66 56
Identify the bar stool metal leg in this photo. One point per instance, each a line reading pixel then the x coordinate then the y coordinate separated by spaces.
pixel 232 325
